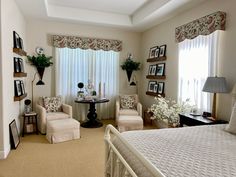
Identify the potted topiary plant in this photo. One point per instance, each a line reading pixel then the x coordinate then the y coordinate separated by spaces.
pixel 129 65
pixel 41 61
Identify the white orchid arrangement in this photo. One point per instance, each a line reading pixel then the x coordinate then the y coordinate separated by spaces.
pixel 169 110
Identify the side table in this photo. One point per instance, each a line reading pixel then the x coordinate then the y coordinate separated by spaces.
pixel 147 118
pixel 190 120
pixel 30 123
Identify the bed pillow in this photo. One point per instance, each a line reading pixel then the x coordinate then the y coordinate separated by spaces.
pixel 231 127
pixel 52 104
pixel 127 102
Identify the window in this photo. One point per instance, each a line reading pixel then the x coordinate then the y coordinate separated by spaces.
pixel 78 65
pixel 197 61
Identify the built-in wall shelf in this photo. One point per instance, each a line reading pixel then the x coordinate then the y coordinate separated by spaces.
pixel 155 77
pixel 19 98
pixel 20 74
pixel 156 59
pixel 154 94
pixel 19 51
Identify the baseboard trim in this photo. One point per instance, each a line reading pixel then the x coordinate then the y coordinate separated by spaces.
pixel 4 154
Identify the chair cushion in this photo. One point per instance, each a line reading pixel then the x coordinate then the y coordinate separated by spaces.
pixel 126 123
pixel 231 127
pixel 127 102
pixel 128 112
pixel 52 104
pixel 57 115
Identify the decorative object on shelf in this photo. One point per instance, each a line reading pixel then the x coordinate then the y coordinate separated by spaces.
pixel 18 91
pixel 22 87
pixel 157 52
pixel 80 93
pixel 151 86
pixel 160 69
pixel 161 86
pixel 21 65
pixel 162 52
pixel 155 88
pixel 169 110
pixel 152 52
pixel 215 85
pixel 129 65
pixel 14 136
pixel 41 61
pixel 153 70
pixel 39 50
pixel 28 107
pixel 16 65
pixel 16 40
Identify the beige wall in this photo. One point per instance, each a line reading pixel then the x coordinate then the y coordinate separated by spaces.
pixel 39 34
pixel 164 34
pixel 11 19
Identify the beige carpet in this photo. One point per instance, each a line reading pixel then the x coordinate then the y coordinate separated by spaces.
pixel 35 157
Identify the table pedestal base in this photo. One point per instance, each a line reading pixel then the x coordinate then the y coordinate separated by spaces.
pixel 92 124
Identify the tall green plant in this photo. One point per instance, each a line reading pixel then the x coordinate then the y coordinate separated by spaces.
pixel 40 61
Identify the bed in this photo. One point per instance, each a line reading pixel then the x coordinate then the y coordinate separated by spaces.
pixel 187 152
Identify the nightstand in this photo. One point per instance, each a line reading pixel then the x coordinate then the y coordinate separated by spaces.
pixel 189 120
pixel 30 123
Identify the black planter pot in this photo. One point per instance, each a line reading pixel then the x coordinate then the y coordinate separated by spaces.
pixel 40 72
pixel 129 74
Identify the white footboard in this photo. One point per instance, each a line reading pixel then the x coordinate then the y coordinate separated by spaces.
pixel 112 150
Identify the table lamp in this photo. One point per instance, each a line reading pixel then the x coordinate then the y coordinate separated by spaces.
pixel 215 85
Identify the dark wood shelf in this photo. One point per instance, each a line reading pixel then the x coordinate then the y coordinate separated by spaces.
pixel 156 59
pixel 155 77
pixel 19 98
pixel 20 74
pixel 154 94
pixel 19 51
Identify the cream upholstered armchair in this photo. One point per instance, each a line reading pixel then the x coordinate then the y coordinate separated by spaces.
pixel 128 105
pixel 64 111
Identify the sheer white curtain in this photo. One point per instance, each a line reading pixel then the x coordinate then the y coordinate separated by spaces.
pixel 197 61
pixel 77 65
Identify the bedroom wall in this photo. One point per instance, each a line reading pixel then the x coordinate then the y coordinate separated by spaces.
pixel 164 34
pixel 39 34
pixel 11 19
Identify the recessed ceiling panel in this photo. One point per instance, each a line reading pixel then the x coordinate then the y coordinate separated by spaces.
pixel 127 7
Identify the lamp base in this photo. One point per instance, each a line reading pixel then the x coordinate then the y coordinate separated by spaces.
pixel 40 82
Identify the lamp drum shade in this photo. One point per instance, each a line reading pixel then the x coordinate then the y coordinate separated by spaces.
pixel 215 85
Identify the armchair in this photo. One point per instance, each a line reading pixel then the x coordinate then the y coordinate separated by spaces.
pixel 44 116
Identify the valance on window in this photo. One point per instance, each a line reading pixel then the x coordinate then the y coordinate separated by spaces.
pixel 202 26
pixel 73 42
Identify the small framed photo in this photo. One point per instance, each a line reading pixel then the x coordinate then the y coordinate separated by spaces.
pixel 21 65
pixel 154 69
pixel 151 86
pixel 150 70
pixel 160 69
pixel 21 43
pixel 155 88
pixel 157 52
pixel 17 84
pixel 162 52
pixel 16 40
pixel 22 87
pixel 16 65
pixel 14 136
pixel 152 52
pixel 161 86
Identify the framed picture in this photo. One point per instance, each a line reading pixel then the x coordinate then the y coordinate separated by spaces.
pixel 16 40
pixel 21 65
pixel 16 65
pixel 157 52
pixel 161 86
pixel 17 84
pixel 162 52
pixel 21 43
pixel 152 52
pixel 150 70
pixel 151 86
pixel 22 87
pixel 154 69
pixel 14 136
pixel 155 88
pixel 160 69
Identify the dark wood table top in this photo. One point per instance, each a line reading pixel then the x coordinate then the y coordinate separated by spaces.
pixel 97 100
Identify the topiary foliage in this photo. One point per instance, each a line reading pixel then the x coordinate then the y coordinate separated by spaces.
pixel 130 65
pixel 40 61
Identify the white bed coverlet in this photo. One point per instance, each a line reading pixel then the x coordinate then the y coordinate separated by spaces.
pixel 187 152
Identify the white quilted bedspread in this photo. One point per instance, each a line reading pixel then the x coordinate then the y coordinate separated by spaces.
pixel 186 152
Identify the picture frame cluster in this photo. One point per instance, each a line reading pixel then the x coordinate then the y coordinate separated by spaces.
pixel 17 41
pixel 157 51
pixel 18 65
pixel 157 69
pixel 19 87
pixel 156 87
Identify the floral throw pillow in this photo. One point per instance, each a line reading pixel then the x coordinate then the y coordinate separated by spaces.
pixel 52 104
pixel 127 102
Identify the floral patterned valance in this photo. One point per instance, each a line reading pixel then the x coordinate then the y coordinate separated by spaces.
pixel 73 42
pixel 202 26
